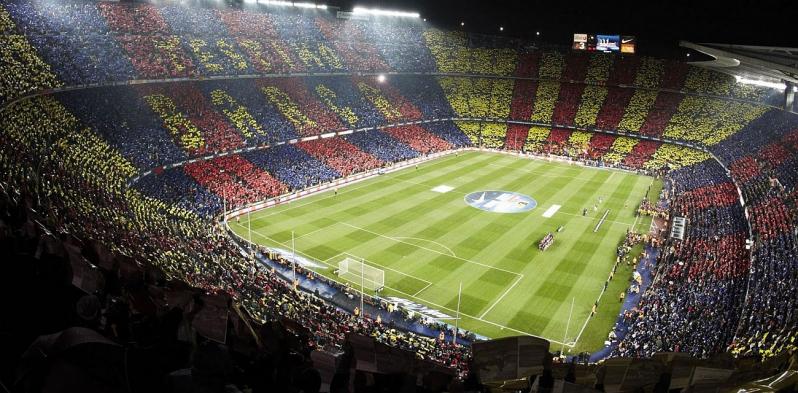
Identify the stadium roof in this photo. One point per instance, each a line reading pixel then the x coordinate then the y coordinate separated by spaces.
pixel 767 63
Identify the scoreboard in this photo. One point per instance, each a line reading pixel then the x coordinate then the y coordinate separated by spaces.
pixel 604 43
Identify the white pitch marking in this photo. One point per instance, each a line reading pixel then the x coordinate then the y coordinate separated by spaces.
pixel 326 261
pixel 311 232
pixel 345 189
pixel 506 291
pixel 550 211
pixel 442 307
pixel 429 249
pixel 442 189
pixel 540 173
pixel 422 289
pixel 426 240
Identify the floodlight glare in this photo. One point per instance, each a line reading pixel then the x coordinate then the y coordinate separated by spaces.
pixel 501 28
pixel 381 78
pixel 757 82
pixel 379 12
pixel 283 3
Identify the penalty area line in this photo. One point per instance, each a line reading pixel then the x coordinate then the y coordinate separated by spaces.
pixel 429 249
pixel 411 296
pixel 427 240
pixel 326 261
pixel 506 291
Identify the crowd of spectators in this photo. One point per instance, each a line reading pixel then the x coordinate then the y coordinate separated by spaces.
pixel 293 166
pixel 452 53
pixel 481 98
pixel 401 45
pixel 74 39
pixel 660 112
pixel 352 42
pixel 708 121
pixel 640 154
pixel 382 146
pixel 762 159
pixel 247 101
pixel 449 132
pixel 80 191
pixel 87 145
pixel 568 102
pixel 23 71
pixel 86 42
pixel 341 155
pixel 599 145
pixel 614 108
pixel 341 95
pixel 418 138
pixel 300 107
pixel 694 302
pixel 190 117
pixel 175 187
pixel 590 104
pixel 387 100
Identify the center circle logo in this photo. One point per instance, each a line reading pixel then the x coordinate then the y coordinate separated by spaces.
pixel 500 201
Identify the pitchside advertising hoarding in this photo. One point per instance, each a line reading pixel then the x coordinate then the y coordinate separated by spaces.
pixel 604 43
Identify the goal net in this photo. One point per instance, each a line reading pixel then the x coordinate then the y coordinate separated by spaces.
pixel 353 270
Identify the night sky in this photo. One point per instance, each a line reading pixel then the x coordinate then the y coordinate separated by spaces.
pixel 659 24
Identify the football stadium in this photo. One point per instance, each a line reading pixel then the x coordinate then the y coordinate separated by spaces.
pixel 283 196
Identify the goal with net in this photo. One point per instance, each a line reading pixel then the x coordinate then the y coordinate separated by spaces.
pixel 354 271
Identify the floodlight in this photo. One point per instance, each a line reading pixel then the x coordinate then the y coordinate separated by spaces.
pixel 381 78
pixel 380 12
pixel 757 82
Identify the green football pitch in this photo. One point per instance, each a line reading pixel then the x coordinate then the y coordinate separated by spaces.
pixel 429 242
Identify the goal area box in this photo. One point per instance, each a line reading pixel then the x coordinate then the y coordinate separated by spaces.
pixel 355 271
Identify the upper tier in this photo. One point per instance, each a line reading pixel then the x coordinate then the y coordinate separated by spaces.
pixel 47 45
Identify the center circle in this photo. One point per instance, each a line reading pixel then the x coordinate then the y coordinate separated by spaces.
pixel 497 201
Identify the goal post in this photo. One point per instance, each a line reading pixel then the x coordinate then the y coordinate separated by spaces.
pixel 354 270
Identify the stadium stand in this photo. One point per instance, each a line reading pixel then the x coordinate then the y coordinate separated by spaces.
pixel 132 179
